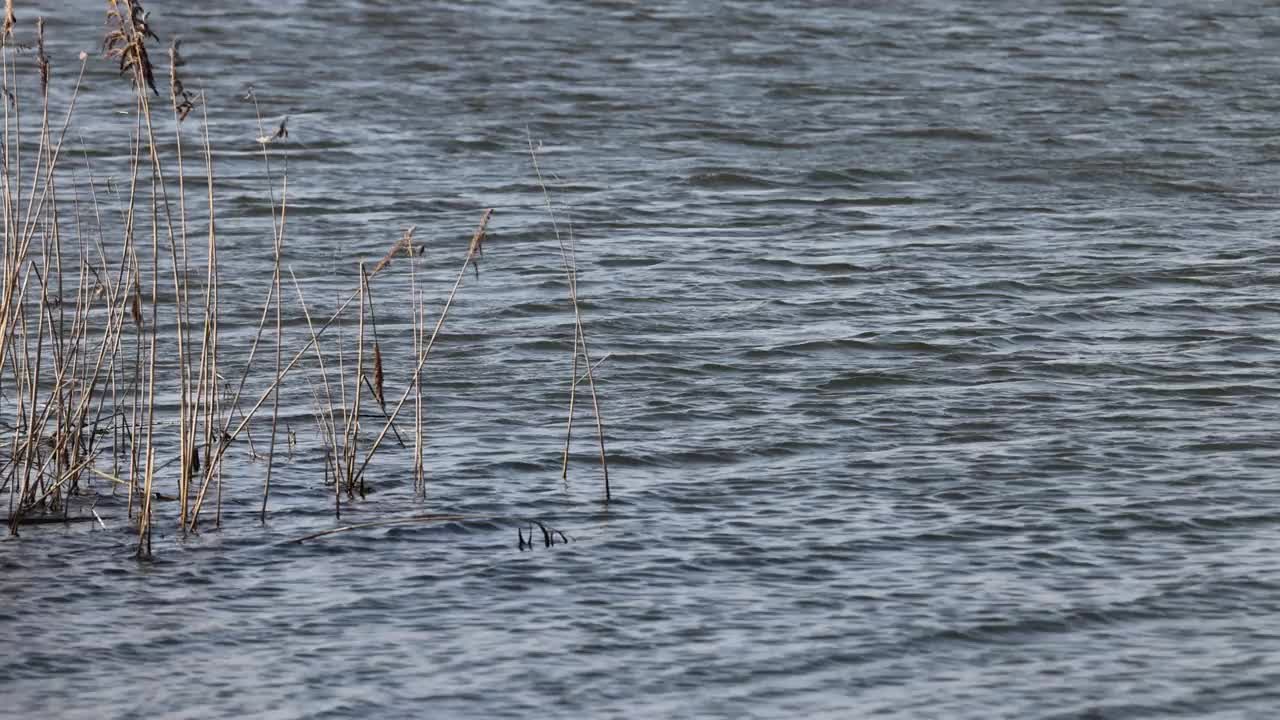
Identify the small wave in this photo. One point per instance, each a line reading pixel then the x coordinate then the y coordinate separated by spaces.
pixel 941 133
pixel 885 201
pixel 471 145
pixel 626 262
pixel 853 380
pixel 846 344
pixel 1190 187
pixel 1073 620
pixel 843 176
pixel 729 180
pixel 820 266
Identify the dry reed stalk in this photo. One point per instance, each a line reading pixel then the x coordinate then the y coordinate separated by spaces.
pixel 377 386
pixel 275 394
pixel 277 251
pixel 419 471
pixel 277 229
pixel 375 381
pixel 126 40
pixel 144 517
pixel 371 381
pixel 419 330
pixel 13 151
pixel 20 236
pixel 569 262
pixel 30 454
pixel 353 426
pixel 46 476
pixel 228 434
pixel 573 395
pixel 180 102
pixel 208 386
pixel 35 468
pixel 328 426
pixel 339 454
pixel 473 247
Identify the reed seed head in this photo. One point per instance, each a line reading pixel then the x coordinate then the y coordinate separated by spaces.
pixel 183 101
pixel 135 306
pixel 42 60
pixel 404 244
pixel 10 20
pixel 377 376
pixel 476 249
pixel 128 30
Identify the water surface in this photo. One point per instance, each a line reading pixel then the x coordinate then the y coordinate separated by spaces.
pixel 941 376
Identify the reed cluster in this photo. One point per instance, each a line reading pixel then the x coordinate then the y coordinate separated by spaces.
pixel 111 373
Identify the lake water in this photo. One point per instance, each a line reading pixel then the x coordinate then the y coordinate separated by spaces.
pixel 942 342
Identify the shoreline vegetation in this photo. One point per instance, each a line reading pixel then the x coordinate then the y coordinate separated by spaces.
pixel 111 374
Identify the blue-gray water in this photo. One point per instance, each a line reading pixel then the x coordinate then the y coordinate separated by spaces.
pixel 942 381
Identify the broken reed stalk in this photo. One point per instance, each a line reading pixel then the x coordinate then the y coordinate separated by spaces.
pixel 569 261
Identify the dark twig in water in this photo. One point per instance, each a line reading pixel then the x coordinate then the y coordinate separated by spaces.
pixel 548 533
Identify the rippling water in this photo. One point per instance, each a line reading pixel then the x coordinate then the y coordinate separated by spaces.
pixel 941 376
